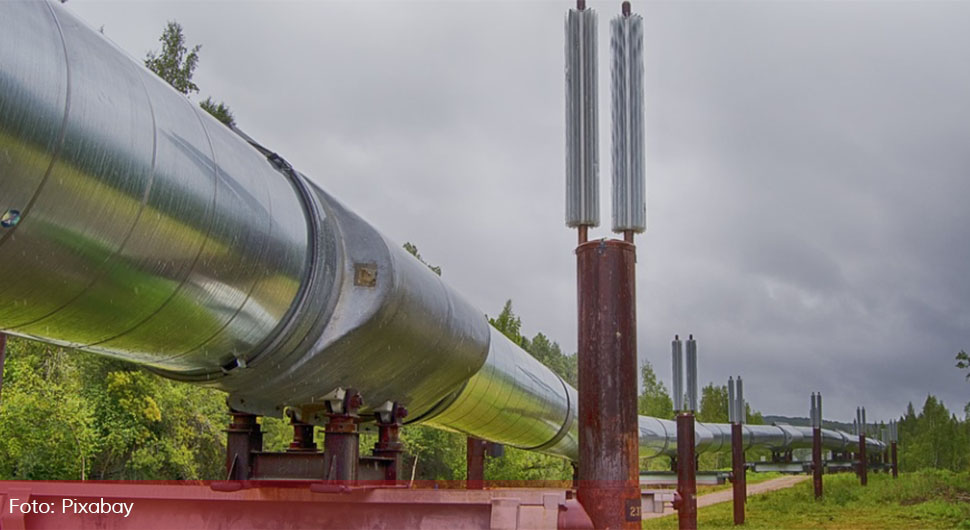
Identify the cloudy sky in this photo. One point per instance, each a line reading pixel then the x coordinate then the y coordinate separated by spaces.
pixel 808 168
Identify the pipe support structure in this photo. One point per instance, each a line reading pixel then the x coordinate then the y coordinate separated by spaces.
pixel 138 227
pixel 609 486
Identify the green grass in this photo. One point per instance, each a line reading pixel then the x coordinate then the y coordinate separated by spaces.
pixel 926 499
pixel 753 478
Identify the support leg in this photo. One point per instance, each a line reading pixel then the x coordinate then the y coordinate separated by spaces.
pixel 738 472
pixel 341 451
pixel 475 463
pixel 817 461
pixel 686 473
pixel 242 440
pixel 389 443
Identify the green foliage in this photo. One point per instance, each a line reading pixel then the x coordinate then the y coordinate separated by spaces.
pixel 963 362
pixel 509 324
pixel 933 439
pixel 219 110
pixel 654 400
pixel 440 454
pixel 927 499
pixel 714 404
pixel 68 414
pixel 175 63
pixel 517 464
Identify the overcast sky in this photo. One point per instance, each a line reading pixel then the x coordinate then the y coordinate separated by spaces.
pixel 808 168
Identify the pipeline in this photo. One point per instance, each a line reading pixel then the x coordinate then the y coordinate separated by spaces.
pixel 136 226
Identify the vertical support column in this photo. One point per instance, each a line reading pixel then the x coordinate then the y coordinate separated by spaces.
pixel 863 460
pixel 389 443
pixel 3 356
pixel 341 452
pixel 475 463
pixel 737 461
pixel 894 437
pixel 737 452
pixel 243 437
pixel 817 466
pixel 686 472
pixel 609 486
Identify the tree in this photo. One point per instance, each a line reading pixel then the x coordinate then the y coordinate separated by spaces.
pixel 218 110
pixel 413 250
pixel 654 399
pixel 509 324
pixel 714 404
pixel 175 63
pixel 963 362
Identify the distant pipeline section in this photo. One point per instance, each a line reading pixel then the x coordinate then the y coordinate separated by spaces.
pixel 136 226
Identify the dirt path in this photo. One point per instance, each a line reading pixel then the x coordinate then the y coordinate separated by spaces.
pixel 727 495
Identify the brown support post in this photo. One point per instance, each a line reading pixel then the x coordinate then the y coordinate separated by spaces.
pixel 738 472
pixel 475 463
pixel 863 462
pixel 389 443
pixel 302 436
pixel 3 356
pixel 341 451
pixel 243 437
pixel 686 472
pixel 609 486
pixel 817 461
pixel 894 462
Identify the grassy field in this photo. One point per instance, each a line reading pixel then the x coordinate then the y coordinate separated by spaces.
pixel 927 499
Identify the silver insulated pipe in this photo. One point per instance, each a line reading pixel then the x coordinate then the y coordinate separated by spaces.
pixel 134 225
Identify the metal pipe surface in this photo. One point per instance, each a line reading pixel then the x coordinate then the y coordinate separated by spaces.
pixel 138 227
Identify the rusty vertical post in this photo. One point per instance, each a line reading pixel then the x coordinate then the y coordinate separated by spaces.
pixel 895 464
pixel 3 356
pixel 817 466
pixel 475 463
pixel 686 472
pixel 243 437
pixel 737 466
pixel 817 444
pixel 341 451
pixel 894 437
pixel 737 453
pixel 389 443
pixel 609 486
pixel 863 459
